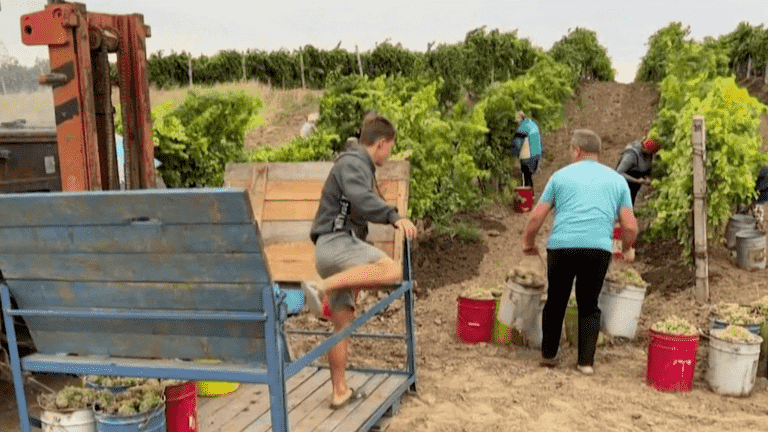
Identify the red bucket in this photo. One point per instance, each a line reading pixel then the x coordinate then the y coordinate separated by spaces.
pixel 474 321
pixel 181 407
pixel 524 203
pixel 671 361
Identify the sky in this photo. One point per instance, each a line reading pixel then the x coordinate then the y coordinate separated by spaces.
pixel 205 27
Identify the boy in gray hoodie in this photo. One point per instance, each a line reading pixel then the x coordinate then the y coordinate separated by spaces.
pixel 345 261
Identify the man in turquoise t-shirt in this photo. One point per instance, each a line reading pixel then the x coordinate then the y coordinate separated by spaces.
pixel 527 143
pixel 587 197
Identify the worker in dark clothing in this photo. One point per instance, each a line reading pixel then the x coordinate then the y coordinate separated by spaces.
pixel 761 186
pixel 636 162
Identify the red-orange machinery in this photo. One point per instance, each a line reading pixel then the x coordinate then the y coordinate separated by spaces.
pixel 79 43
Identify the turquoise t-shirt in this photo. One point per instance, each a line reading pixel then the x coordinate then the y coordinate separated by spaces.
pixel 529 127
pixel 586 197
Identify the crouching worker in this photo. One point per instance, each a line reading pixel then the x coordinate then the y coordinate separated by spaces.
pixel 345 261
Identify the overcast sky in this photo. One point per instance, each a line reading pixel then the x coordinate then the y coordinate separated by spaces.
pixel 205 27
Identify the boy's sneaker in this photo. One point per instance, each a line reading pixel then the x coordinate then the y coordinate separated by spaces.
pixel 585 370
pixel 313 296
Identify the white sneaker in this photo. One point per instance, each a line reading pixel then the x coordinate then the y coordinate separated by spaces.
pixel 585 370
pixel 313 296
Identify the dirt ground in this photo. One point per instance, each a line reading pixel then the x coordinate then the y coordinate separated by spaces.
pixel 488 387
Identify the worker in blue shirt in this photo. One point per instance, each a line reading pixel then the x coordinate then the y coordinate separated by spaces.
pixel 527 143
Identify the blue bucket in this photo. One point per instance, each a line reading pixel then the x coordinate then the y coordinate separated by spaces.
pixel 150 421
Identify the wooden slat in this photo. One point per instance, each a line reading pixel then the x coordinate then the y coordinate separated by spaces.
pixel 264 422
pixel 235 412
pixel 294 189
pixel 160 338
pixel 132 238
pixel 299 170
pixel 290 210
pixel 292 262
pixel 374 399
pixel 232 268
pixel 335 422
pixel 259 190
pixel 388 189
pixel 307 415
pixel 169 206
pixel 147 295
pixel 298 231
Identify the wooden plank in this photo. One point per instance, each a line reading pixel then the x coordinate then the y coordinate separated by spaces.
pixel 294 190
pixel 335 420
pixel 132 238
pixel 285 232
pixel 311 415
pixel 256 395
pixel 283 210
pixel 370 404
pixel 139 295
pixel 169 206
pixel 158 338
pixel 234 412
pixel 388 190
pixel 295 397
pixel 299 170
pixel 195 267
pixel 258 190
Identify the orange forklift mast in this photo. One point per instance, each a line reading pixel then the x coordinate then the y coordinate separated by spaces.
pixel 79 43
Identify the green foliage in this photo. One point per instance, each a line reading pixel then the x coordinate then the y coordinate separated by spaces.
pixel 540 94
pixel 390 60
pixel 437 146
pixel 695 85
pixel 495 56
pixel 196 140
pixel 746 42
pixel 663 43
pixel 583 55
pixel 464 231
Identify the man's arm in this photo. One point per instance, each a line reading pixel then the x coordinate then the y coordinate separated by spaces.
pixel 629 228
pixel 535 221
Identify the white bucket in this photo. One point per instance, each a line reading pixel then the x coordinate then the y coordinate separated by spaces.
pixel 518 307
pixel 74 421
pixel 733 366
pixel 620 307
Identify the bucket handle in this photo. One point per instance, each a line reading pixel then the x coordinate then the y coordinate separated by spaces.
pixel 153 412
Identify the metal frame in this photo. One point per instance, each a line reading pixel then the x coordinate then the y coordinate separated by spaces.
pixel 279 368
pixel 78 43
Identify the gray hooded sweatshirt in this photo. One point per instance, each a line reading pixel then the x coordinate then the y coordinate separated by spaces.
pixel 353 178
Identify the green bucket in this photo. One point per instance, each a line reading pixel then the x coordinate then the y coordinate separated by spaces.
pixel 502 334
pixel 572 324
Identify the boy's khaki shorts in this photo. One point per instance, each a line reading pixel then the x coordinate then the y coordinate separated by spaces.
pixel 336 252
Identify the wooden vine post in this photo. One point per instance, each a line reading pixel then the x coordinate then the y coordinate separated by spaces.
pixel 189 70
pixel 700 210
pixel 359 63
pixel 301 64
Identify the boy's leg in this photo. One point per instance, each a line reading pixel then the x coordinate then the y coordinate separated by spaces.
pixel 337 356
pixel 384 272
pixel 589 282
